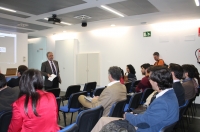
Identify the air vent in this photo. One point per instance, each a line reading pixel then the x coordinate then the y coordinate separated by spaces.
pixel 83 17
pixel 22 25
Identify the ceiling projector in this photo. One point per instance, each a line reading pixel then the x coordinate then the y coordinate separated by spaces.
pixel 54 19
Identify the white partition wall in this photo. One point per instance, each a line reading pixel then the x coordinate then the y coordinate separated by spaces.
pixel 65 54
pixel 88 69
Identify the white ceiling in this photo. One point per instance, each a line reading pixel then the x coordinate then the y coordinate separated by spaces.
pixel 168 10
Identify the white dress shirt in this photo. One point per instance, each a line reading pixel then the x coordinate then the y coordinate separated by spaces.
pixel 113 82
pixel 162 92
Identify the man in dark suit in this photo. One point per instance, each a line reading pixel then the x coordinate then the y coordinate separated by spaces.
pixel 15 81
pixel 177 74
pixel 48 68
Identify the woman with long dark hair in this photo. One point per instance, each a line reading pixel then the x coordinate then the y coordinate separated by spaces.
pixel 130 70
pixel 35 110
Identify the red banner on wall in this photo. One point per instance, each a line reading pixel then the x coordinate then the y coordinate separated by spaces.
pixel 199 32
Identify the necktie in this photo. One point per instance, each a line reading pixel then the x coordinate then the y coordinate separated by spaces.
pixel 154 97
pixel 53 68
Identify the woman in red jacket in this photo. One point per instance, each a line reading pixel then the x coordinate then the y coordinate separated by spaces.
pixel 35 110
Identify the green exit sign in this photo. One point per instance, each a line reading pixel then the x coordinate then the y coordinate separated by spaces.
pixel 147 34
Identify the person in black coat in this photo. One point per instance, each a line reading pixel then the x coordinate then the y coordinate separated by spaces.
pixel 177 74
pixel 7 94
pixel 15 81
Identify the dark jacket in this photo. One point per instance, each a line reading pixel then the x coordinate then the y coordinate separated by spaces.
pixel 7 97
pixel 46 69
pixel 189 89
pixel 180 93
pixel 13 82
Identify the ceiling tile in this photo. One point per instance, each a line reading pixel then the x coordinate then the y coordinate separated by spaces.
pixel 12 29
pixel 13 14
pixel 134 7
pixel 37 7
pixel 96 14
pixel 9 22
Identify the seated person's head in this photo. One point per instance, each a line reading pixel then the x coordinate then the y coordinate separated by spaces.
pixel 156 56
pixel 176 70
pixel 130 69
pixel 144 68
pixel 30 81
pixel 21 69
pixel 3 82
pixel 160 78
pixel 187 71
pixel 114 73
pixel 195 71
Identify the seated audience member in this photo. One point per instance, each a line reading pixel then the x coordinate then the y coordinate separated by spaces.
pixel 188 84
pixel 159 62
pixel 15 81
pixel 177 75
pixel 163 111
pixel 115 91
pixel 35 110
pixel 144 83
pixel 130 70
pixel 7 95
pixel 196 79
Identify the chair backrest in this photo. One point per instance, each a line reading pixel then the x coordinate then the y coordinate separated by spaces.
pixel 117 109
pixel 168 128
pixel 182 109
pixel 128 86
pixel 98 91
pixel 72 89
pixel 90 87
pixel 55 91
pixel 135 101
pixel 146 94
pixel 73 100
pixel 87 119
pixel 5 118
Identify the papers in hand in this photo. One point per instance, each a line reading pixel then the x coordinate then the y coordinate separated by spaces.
pixel 52 77
pixel 88 99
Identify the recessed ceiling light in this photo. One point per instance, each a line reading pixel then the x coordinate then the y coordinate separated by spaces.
pixel 197 2
pixel 66 23
pixel 111 10
pixel 22 25
pixel 60 22
pixel 6 9
pixel 112 25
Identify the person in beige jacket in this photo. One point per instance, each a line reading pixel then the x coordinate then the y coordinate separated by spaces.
pixel 115 91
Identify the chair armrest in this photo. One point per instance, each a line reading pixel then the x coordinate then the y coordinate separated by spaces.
pixel 70 127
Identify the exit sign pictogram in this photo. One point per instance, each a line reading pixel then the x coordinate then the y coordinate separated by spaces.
pixel 147 34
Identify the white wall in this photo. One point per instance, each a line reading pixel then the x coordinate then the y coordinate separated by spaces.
pixel 129 46
pixel 22 51
pixel 176 42
pixel 37 52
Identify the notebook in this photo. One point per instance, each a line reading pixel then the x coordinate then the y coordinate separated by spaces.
pixel 11 72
